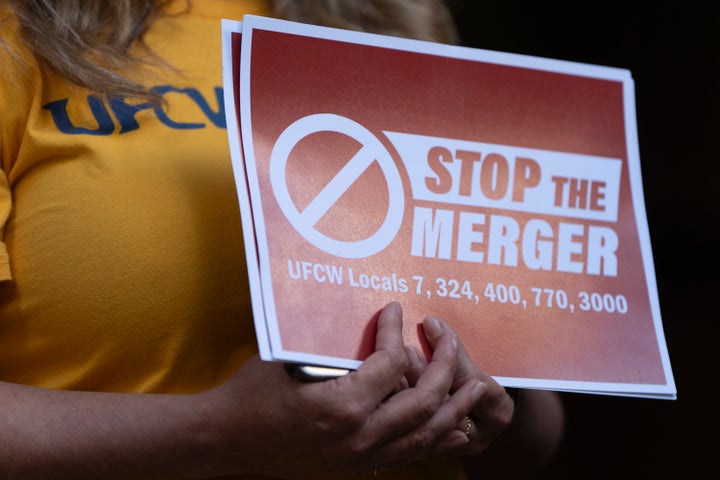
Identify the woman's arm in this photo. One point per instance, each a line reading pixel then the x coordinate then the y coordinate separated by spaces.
pixel 337 427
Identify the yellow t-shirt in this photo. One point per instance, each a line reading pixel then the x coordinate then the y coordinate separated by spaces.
pixel 121 262
pixel 123 235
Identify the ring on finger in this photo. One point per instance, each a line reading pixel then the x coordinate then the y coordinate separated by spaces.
pixel 468 427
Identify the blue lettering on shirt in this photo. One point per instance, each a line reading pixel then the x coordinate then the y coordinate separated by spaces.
pixel 123 117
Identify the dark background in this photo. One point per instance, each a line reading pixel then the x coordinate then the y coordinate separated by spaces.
pixel 673 52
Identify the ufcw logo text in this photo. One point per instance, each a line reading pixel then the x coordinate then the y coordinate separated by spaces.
pixel 116 115
pixel 335 275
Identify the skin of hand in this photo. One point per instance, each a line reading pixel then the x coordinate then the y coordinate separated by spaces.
pixel 518 440
pixel 492 414
pixel 245 424
pixel 349 424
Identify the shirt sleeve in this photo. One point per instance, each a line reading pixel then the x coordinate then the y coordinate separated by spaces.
pixel 5 204
pixel 8 32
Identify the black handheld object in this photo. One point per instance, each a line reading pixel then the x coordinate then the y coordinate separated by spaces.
pixel 311 373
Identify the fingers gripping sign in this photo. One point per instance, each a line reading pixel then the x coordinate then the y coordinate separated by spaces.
pixel 385 368
pixel 418 421
pixel 354 423
pixel 493 412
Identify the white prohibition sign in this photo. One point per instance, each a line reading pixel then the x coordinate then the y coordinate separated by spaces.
pixel 372 150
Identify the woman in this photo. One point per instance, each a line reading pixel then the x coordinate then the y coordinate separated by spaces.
pixel 126 340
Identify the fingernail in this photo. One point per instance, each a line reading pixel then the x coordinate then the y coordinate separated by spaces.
pixel 454 440
pixel 434 325
pixel 478 390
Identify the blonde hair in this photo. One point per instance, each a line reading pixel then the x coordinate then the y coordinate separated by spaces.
pixel 89 42
pixel 419 19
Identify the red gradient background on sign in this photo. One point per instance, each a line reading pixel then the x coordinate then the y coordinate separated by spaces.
pixel 389 90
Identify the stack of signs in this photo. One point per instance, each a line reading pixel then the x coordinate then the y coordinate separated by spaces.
pixel 499 192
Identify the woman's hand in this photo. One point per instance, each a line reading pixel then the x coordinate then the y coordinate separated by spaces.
pixel 513 440
pixel 274 425
pixel 493 412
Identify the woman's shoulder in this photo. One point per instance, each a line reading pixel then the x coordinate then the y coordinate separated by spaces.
pixel 9 31
pixel 19 84
pixel 19 66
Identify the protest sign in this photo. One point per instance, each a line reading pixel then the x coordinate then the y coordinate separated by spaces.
pixel 499 192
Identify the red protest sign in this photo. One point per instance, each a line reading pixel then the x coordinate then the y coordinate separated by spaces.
pixel 499 192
